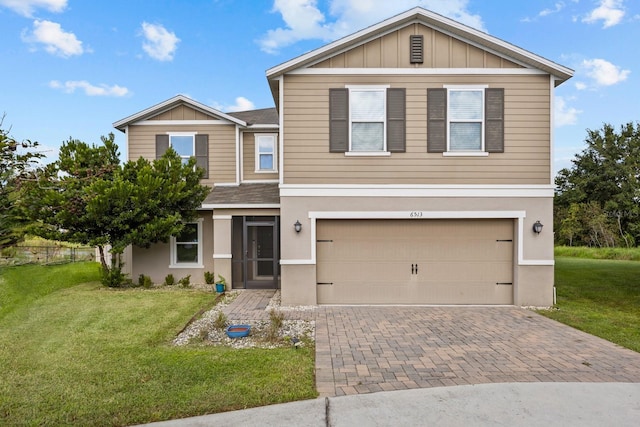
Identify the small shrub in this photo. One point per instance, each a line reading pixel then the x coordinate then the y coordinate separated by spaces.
pixel 220 322
pixel 145 281
pixel 185 282
pixel 276 319
pixel 169 280
pixel 114 277
pixel 209 277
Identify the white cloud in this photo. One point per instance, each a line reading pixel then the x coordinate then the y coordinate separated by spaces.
pixel 70 86
pixel 160 44
pixel 27 7
pixel 242 104
pixel 610 12
pixel 604 73
pixel 580 85
pixel 304 20
pixel 563 114
pixel 56 41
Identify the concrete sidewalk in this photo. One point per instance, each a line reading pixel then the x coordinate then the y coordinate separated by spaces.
pixel 521 404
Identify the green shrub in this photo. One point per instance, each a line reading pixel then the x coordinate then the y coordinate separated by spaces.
pixel 276 319
pixel 220 322
pixel 209 277
pixel 185 282
pixel 115 278
pixel 145 281
pixel 169 280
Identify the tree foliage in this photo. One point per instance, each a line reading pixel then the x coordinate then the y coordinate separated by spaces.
pixel 88 197
pixel 598 198
pixel 17 161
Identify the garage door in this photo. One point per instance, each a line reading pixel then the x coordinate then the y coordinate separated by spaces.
pixel 415 261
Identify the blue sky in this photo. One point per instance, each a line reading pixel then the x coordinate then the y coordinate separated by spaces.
pixel 71 68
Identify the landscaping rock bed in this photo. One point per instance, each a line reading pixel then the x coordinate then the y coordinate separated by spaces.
pixel 207 331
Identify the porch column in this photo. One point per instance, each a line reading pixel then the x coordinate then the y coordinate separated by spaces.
pixel 222 226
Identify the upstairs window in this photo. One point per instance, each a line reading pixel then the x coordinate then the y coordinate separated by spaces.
pixel 265 160
pixel 186 144
pixel 367 120
pixel 465 120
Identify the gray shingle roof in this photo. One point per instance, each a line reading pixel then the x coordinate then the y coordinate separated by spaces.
pixel 265 116
pixel 244 194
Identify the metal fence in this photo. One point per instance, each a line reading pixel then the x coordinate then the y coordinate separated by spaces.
pixel 18 255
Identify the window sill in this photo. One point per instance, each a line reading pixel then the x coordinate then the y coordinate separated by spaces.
pixel 367 153
pixel 264 171
pixel 185 265
pixel 465 154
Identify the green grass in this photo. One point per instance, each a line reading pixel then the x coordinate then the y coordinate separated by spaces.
pixel 601 297
pixel 629 254
pixel 74 352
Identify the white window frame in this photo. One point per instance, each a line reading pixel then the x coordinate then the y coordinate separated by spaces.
pixel 193 143
pixel 174 250
pixel 274 152
pixel 466 88
pixel 369 88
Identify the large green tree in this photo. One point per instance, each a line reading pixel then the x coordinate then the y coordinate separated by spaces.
pixel 17 161
pixel 601 190
pixel 87 197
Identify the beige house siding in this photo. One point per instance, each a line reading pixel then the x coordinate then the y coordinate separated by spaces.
pixel 222 147
pixel 392 51
pixel 249 160
pixel 182 112
pixel 155 261
pixel 526 158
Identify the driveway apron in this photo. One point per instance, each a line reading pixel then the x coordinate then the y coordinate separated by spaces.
pixel 368 349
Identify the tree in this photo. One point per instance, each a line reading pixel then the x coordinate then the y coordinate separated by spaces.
pixel 606 173
pixel 16 162
pixel 91 199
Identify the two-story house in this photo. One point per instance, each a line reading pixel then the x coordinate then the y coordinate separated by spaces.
pixel 407 163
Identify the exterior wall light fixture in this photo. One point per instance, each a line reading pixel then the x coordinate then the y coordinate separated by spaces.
pixel 297 226
pixel 537 227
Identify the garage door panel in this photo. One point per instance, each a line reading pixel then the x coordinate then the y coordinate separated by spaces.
pixel 373 261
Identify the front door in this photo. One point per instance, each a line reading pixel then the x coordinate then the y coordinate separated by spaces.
pixel 261 261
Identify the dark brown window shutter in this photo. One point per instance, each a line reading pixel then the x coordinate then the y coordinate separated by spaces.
pixel 436 120
pixel 396 120
pixel 494 120
pixel 416 48
pixel 202 153
pixel 162 145
pixel 338 120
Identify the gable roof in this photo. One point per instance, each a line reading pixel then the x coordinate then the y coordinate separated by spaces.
pixel 172 103
pixel 429 19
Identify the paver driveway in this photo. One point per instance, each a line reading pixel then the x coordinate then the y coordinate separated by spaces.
pixel 369 349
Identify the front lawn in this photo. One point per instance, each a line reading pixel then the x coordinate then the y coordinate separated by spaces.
pixel 74 352
pixel 601 297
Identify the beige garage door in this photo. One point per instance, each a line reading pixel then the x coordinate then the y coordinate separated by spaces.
pixel 415 261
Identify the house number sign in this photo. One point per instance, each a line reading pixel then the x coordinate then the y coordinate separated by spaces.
pixel 415 214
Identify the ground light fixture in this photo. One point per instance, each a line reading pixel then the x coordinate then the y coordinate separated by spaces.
pixel 297 226
pixel 537 227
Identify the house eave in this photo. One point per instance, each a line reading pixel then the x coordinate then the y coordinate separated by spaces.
pixel 433 20
pixel 169 104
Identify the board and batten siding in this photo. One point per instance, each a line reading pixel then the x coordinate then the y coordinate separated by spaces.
pixel 249 159
pixel 526 157
pixel 222 147
pixel 182 112
pixel 393 51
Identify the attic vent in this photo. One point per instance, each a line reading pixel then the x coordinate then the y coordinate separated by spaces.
pixel 416 48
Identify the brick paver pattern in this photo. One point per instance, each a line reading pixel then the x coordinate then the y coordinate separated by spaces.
pixel 370 349
pixel 365 349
